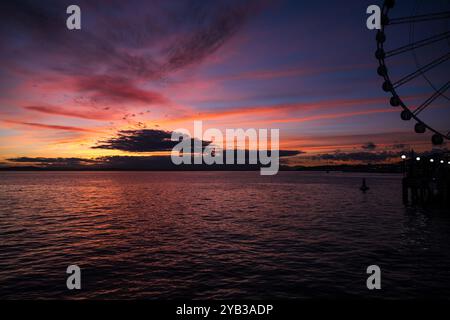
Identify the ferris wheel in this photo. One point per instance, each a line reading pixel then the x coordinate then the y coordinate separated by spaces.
pixel 432 68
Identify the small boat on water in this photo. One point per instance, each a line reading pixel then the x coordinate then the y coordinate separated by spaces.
pixel 364 187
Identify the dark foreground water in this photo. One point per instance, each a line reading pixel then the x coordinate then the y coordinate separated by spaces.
pixel 216 235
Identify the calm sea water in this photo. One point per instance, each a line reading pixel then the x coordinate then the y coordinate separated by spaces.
pixel 216 235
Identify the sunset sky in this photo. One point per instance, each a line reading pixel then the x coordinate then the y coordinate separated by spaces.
pixel 305 67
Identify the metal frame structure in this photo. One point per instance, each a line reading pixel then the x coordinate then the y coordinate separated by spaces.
pixel 389 86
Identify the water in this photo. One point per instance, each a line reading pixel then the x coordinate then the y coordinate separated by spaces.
pixel 216 235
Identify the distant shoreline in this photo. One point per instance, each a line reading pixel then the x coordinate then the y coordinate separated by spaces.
pixel 382 168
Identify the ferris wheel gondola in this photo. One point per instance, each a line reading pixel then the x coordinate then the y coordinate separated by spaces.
pixel 392 85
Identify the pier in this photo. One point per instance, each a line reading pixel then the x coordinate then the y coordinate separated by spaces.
pixel 426 180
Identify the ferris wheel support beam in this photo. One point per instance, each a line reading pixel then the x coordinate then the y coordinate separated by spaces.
pixel 407 114
pixel 421 70
pixel 433 97
pixel 418 44
pixel 418 18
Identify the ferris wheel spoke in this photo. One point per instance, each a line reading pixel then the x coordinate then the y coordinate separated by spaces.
pixel 421 70
pixel 419 18
pixel 418 44
pixel 430 100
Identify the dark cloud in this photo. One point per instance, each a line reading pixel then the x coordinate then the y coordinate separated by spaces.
pixel 152 140
pixel 133 39
pixel 400 146
pixel 376 157
pixel 121 46
pixel 4 165
pixel 255 153
pixel 358 156
pixel 64 162
pixel 145 140
pixel 122 163
pixel 219 25
pixel 290 153
pixel 116 90
pixel 108 162
pixel 369 146
pixel 37 17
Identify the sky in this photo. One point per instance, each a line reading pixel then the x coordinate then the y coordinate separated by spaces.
pixel 138 70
